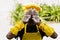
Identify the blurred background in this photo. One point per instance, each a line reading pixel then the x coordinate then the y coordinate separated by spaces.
pixel 10 9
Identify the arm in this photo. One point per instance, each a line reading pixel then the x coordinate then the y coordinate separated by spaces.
pixel 49 31
pixel 14 31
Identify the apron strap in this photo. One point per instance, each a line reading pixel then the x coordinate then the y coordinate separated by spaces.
pixel 25 28
pixel 37 28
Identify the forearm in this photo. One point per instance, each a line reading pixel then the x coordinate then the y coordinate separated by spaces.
pixel 14 30
pixel 49 31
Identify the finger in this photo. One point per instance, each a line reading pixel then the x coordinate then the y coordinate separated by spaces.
pixel 36 20
pixel 26 18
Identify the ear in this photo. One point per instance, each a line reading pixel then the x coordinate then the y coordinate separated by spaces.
pixel 54 35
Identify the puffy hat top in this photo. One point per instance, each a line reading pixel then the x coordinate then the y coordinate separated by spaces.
pixel 33 6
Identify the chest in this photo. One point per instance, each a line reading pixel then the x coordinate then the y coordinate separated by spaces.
pixel 32 28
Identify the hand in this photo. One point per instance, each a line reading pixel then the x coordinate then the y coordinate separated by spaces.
pixel 54 35
pixel 36 19
pixel 10 35
pixel 26 18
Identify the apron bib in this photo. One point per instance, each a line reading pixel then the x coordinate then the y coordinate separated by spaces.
pixel 31 36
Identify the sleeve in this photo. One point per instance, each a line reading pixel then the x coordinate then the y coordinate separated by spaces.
pixel 17 27
pixel 46 29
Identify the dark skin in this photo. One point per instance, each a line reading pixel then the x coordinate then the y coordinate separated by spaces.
pixel 10 35
pixel 31 21
pixel 54 35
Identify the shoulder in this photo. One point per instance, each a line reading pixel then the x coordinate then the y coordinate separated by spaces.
pixel 20 22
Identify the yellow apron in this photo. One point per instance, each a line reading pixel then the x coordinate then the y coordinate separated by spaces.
pixel 31 36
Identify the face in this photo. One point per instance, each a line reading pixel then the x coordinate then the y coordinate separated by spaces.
pixel 31 17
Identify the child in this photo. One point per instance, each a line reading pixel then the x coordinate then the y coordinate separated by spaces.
pixel 31 27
